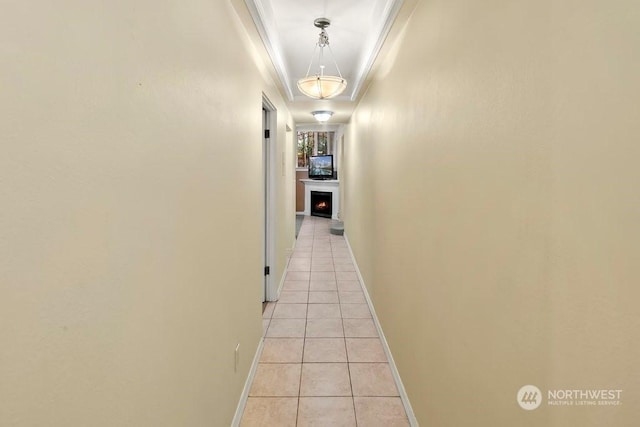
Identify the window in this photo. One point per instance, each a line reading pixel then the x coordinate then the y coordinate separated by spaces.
pixel 322 143
pixel 312 144
pixel 305 148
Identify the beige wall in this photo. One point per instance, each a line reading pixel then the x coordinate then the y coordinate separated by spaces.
pixel 499 233
pixel 284 216
pixel 304 174
pixel 130 227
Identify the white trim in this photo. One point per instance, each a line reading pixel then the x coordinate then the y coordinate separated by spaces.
pixel 281 285
pixel 247 385
pixel 272 125
pixel 264 22
pixel 392 364
pixel 300 213
pixel 286 268
pixel 327 186
pixel 391 10
pixel 268 104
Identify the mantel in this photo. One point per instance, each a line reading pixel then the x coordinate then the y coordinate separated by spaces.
pixel 323 182
pixel 329 185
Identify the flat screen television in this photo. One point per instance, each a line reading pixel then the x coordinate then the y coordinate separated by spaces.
pixel 321 167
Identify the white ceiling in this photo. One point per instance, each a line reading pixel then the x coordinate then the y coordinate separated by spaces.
pixel 357 31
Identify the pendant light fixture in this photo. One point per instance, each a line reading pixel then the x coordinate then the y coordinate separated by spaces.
pixel 320 86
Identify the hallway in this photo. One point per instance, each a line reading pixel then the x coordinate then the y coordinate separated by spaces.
pixel 488 185
pixel 323 362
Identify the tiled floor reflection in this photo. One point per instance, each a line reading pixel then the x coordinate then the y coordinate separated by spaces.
pixel 323 363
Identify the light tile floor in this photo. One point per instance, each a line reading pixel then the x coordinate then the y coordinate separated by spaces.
pixel 323 363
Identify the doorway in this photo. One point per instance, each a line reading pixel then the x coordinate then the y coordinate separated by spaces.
pixel 268 166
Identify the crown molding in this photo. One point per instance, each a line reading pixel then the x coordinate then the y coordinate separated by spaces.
pixel 391 10
pixel 264 24
pixel 264 20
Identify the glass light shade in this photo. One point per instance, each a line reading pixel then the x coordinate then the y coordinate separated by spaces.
pixel 322 116
pixel 322 87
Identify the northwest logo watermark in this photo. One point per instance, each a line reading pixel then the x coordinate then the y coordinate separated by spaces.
pixel 530 397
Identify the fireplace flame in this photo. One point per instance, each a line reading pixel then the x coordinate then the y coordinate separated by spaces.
pixel 322 205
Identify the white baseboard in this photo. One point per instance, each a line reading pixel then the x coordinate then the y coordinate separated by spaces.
pixel 284 274
pixel 288 253
pixel 256 358
pixel 247 386
pixel 394 370
pixel 272 295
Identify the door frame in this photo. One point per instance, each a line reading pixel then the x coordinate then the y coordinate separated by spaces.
pixel 269 150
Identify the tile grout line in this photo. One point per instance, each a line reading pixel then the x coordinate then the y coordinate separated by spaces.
pixel 315 237
pixel 346 351
pixel 304 339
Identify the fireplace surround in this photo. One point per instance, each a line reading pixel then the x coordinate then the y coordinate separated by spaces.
pixel 328 186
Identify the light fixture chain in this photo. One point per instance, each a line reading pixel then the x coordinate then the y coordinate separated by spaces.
pixel 311 62
pixel 334 61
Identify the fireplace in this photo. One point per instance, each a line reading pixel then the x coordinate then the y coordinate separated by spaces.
pixel 321 203
pixel 322 186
